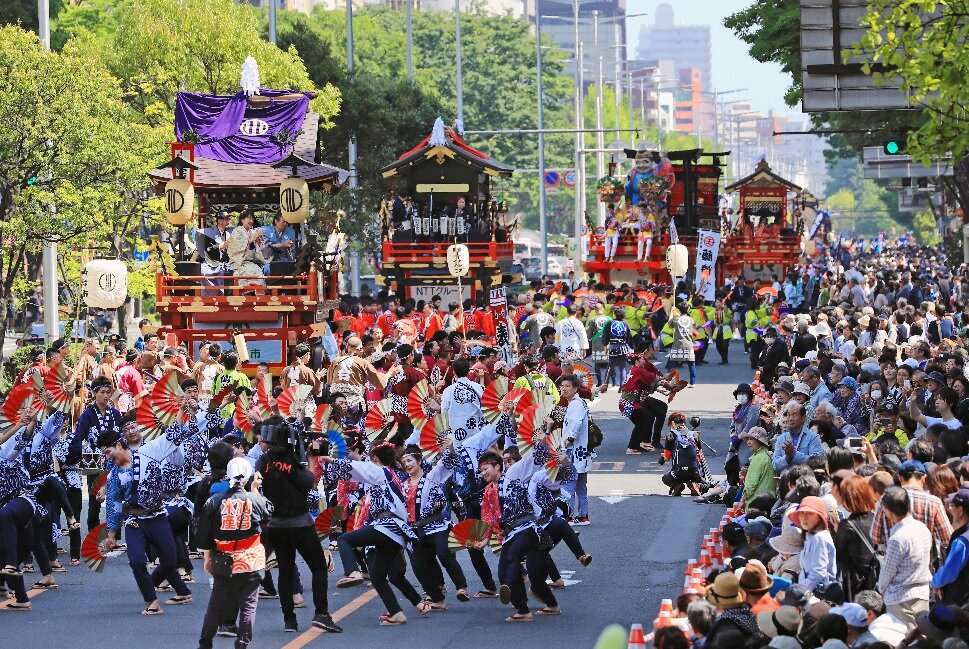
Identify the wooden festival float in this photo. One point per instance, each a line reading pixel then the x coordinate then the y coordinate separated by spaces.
pixel 422 219
pixel 256 151
pixel 689 200
pixel 765 233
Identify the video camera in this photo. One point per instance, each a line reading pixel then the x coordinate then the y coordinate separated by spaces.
pixel 278 432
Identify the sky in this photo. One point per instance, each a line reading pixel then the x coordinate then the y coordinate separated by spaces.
pixel 733 66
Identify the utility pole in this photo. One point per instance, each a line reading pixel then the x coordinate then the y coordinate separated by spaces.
pixel 600 140
pixel 579 188
pixel 542 216
pixel 457 40
pixel 49 258
pixel 272 21
pixel 410 42
pixel 352 156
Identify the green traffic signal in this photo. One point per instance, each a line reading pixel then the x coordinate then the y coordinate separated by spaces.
pixel 893 147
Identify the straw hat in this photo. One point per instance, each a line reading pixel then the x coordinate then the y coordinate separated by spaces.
pixel 790 540
pixel 754 578
pixel 724 592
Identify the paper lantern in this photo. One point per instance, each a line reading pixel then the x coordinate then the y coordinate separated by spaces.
pixel 104 283
pixel 294 200
pixel 179 201
pixel 458 260
pixel 677 259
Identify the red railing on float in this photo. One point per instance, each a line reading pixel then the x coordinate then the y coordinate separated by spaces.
pixel 431 253
pixel 228 290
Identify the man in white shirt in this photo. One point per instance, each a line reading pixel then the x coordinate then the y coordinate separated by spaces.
pixel 572 338
pixel 904 578
pixel 461 402
pixel 575 438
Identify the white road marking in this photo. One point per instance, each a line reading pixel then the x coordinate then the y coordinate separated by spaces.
pixel 615 496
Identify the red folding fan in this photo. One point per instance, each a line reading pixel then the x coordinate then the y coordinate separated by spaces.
pixel 240 417
pixel 151 422
pixel 531 429
pixel 491 398
pixel 417 404
pixel 292 401
pixel 466 534
pixel 55 382
pixel 433 435
pixel 328 521
pixel 166 398
pixel 379 418
pixel 21 400
pixel 264 392
pixel 91 553
pixel 220 396
pixel 584 374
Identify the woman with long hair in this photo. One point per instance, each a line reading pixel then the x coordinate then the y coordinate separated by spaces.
pixel 857 563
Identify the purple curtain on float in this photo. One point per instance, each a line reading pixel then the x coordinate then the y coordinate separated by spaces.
pixel 230 130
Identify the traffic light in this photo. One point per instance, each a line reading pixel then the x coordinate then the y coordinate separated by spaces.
pixel 895 146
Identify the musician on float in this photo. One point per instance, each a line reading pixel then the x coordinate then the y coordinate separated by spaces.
pixel 215 252
pixel 281 240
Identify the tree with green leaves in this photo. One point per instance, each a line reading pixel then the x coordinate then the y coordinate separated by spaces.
pixel 923 45
pixel 68 155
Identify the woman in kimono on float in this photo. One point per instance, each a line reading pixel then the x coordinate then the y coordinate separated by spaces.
pixel 248 254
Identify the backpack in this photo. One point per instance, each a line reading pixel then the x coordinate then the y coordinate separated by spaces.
pixel 684 457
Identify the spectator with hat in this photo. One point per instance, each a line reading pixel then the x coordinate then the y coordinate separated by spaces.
pixel 952 579
pixel 757 532
pixel 734 618
pixel 775 352
pixel 756 584
pixel 856 618
pixel 818 558
pixel 905 576
pixel 846 400
pixel 782 622
pixel 759 476
pixel 788 545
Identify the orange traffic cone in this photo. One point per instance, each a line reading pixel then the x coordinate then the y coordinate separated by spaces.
pixel 665 615
pixel 705 563
pixel 636 639
pixel 697 582
pixel 690 566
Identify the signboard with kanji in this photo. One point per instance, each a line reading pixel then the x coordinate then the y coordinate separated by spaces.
pixel 707 249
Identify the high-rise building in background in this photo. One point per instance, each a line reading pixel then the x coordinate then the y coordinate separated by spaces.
pixel 688 46
pixel 607 41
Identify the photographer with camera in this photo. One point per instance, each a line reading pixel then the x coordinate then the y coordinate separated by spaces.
pixel 286 483
pixel 228 533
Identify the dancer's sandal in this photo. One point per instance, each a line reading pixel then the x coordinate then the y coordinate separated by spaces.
pixel 152 611
pixel 519 617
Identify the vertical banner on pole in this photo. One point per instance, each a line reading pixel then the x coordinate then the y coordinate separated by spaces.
pixel 707 249
pixel 499 310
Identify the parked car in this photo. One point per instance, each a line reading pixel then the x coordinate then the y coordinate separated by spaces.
pixel 533 268
pixel 555 269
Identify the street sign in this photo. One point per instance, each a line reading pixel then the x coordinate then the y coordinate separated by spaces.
pixel 569 178
pixel 552 178
pixel 583 230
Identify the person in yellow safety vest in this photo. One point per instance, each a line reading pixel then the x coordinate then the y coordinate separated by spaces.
pixel 666 335
pixel 757 319
pixel 722 333
pixel 702 316
pixel 637 317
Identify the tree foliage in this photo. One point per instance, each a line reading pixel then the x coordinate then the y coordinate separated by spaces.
pixel 923 45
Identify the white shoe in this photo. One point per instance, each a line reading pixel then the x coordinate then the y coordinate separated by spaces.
pixel 691 386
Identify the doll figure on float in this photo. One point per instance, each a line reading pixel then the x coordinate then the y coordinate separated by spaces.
pixel 647 230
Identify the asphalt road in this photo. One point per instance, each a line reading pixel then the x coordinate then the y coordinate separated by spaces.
pixel 640 539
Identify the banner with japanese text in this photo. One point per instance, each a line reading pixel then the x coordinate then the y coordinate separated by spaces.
pixel 707 249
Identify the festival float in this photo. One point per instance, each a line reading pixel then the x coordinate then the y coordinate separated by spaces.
pixel 240 159
pixel 445 194
pixel 664 200
pixel 765 234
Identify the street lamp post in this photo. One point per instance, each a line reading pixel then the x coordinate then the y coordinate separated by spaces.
pixel 460 75
pixel 542 216
pixel 352 159
pixel 410 42
pixel 49 257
